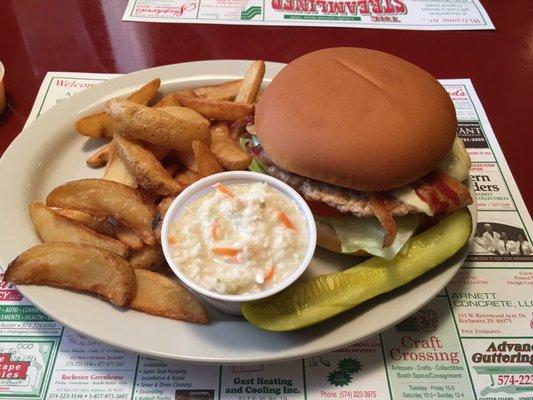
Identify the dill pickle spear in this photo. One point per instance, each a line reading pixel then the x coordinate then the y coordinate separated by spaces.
pixel 322 297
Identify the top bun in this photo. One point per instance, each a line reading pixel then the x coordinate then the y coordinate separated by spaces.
pixel 357 118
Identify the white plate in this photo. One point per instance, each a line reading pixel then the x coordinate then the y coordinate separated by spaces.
pixel 49 153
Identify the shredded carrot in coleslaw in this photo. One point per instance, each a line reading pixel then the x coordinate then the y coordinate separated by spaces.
pixel 215 230
pixel 223 189
pixel 269 274
pixel 284 219
pixel 226 251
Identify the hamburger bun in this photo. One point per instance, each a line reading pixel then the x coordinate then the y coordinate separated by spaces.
pixel 356 118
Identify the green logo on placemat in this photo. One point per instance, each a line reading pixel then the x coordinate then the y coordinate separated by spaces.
pixel 349 365
pixel 250 12
pixel 342 376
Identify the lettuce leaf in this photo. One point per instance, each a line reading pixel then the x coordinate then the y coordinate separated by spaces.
pixel 457 162
pixel 243 141
pixel 367 234
pixel 255 165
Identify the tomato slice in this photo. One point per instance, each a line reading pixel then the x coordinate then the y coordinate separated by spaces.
pixel 321 209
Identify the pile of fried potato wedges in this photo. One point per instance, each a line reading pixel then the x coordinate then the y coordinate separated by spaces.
pixel 102 236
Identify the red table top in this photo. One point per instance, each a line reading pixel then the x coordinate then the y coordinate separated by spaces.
pixel 89 36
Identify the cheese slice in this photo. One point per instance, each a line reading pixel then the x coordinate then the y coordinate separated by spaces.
pixel 408 196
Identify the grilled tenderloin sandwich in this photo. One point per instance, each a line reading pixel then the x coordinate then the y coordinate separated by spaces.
pixel 369 140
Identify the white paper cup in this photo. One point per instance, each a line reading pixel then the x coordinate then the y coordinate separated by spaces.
pixel 229 303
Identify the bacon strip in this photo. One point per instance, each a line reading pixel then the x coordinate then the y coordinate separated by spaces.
pixel 443 193
pixel 464 196
pixel 430 196
pixel 382 211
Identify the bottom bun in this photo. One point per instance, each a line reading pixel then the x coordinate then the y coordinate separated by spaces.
pixel 327 238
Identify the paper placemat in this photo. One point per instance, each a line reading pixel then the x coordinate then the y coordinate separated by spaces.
pixel 381 14
pixel 473 341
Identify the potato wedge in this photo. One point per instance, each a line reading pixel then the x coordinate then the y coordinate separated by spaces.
pixel 128 236
pixel 186 177
pixel 158 151
pixel 75 266
pixel 100 158
pixel 117 171
pixel 101 125
pixel 184 113
pixel 155 126
pixel 248 93
pixel 167 101
pixel 149 257
pixel 165 297
pixel 251 83
pixel 148 171
pixel 98 125
pixel 145 94
pixel 172 169
pixel 186 159
pixel 170 101
pixel 149 195
pixel 107 199
pixel 207 163
pixel 157 231
pixel 223 91
pixel 187 92
pixel 221 110
pixel 53 227
pixel 94 222
pixel 163 205
pixel 226 150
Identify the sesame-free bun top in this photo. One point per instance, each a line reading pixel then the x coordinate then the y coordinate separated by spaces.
pixel 356 118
